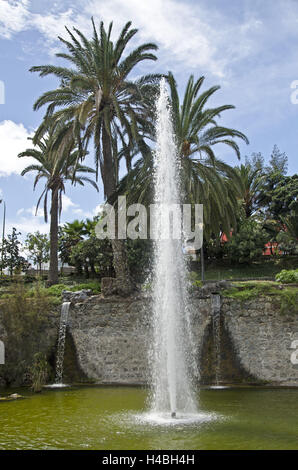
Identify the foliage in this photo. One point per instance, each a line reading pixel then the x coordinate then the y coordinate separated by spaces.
pixel 96 95
pixel 287 276
pixel 12 258
pixel 247 244
pixel 289 301
pixel 286 298
pixel 278 162
pixel 57 289
pixel 38 245
pixel 250 289
pixel 286 243
pixel 95 254
pixel 252 181
pixel 139 256
pixel 279 196
pixel 56 166
pixel 20 303
pixel 25 316
pixel 193 278
pixel 205 178
pixel 39 372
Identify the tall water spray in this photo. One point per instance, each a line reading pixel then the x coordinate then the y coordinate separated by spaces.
pixel 172 358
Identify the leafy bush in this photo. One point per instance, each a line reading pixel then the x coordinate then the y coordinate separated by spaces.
pixel 39 372
pixel 26 314
pixel 289 301
pixel 286 298
pixel 57 289
pixel 287 276
pixel 94 286
pixel 247 244
pixel 251 290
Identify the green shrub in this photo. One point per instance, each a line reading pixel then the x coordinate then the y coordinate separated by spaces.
pixel 26 314
pixel 94 286
pixel 57 289
pixel 286 298
pixel 287 276
pixel 39 372
pixel 194 279
pixel 289 301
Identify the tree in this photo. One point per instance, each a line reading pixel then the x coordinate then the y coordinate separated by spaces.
pixel 12 258
pixel 38 245
pixel 252 184
pixel 287 236
pixel 100 100
pixel 256 161
pixel 279 196
pixel 93 253
pixel 247 244
pixel 205 178
pixel 278 162
pixel 56 167
pixel 68 237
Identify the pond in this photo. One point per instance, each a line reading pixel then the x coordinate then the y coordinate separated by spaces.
pixel 115 418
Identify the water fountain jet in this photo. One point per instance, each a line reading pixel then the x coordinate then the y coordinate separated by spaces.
pixel 172 358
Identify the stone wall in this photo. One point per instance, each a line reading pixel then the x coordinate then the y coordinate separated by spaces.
pixel 23 342
pixel 108 340
pixel 112 339
pixel 262 339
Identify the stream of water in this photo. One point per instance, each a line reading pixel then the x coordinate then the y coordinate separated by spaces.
pixel 172 357
pixel 61 344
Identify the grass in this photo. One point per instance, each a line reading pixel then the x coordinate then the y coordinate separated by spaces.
pixel 53 293
pixel 259 270
pixel 286 297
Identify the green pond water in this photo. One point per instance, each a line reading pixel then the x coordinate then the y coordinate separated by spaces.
pixel 115 418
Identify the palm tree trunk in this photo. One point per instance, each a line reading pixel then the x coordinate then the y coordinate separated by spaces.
pixel 53 273
pixel 108 173
pixel 124 285
pixel 202 264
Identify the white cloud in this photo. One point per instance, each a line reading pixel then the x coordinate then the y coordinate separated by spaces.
pixel 249 48
pixel 13 140
pixel 181 29
pixel 28 220
pixel 27 224
pixel 98 210
pixel 67 203
pixel 190 33
pixel 13 17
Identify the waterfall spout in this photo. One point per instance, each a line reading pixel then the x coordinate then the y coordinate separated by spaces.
pixel 215 310
pixel 61 343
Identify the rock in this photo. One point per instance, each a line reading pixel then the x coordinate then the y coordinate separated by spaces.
pixel 13 396
pixel 77 296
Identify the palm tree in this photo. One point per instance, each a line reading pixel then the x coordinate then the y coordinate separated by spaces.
pixel 56 167
pixel 252 182
pixel 100 100
pixel 205 178
pixel 75 230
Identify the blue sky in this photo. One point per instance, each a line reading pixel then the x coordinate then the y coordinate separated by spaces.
pixel 248 47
